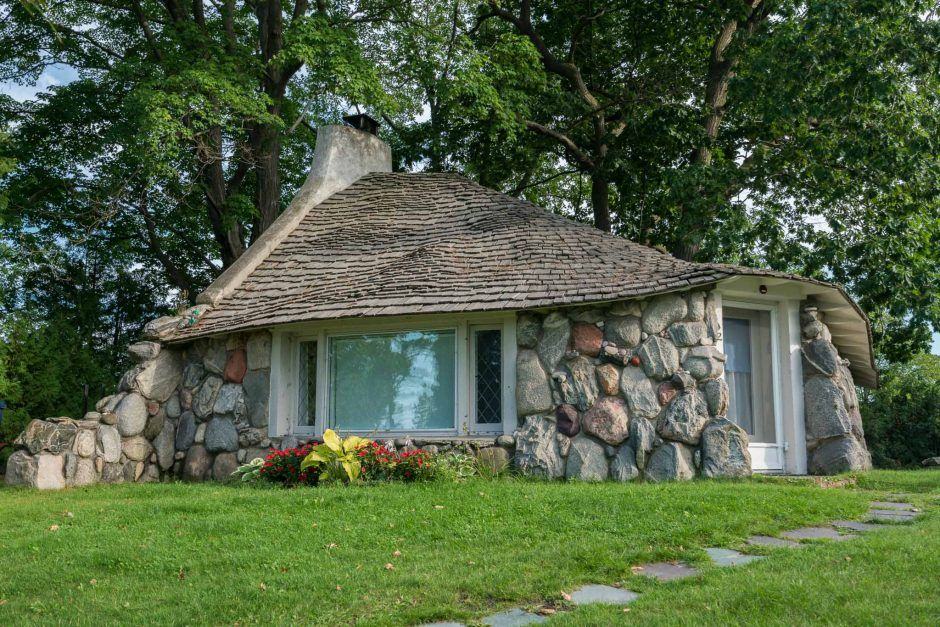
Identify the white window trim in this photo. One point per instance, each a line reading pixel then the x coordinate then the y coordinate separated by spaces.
pixel 766 456
pixel 285 362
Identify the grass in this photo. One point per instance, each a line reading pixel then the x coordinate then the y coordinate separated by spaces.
pixel 197 554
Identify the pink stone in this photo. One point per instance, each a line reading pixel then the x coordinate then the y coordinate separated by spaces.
pixel 666 392
pixel 587 339
pixel 608 377
pixel 236 366
pixel 607 420
pixel 153 407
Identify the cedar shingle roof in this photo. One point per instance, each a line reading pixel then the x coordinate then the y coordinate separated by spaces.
pixel 404 243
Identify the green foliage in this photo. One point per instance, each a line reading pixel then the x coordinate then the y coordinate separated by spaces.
pixel 902 417
pixel 337 459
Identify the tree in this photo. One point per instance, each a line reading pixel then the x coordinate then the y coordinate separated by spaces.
pixel 182 114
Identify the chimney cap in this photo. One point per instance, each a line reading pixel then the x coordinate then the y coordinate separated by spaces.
pixel 363 122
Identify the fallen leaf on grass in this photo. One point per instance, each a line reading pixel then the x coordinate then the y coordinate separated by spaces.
pixel 332 545
pixel 636 569
pixel 626 609
pixel 181 574
pixel 54 528
pixel 3 601
pixel 396 554
pixel 546 611
pixel 339 587
pixel 262 587
pixel 69 515
pixel 438 507
pixel 389 566
pixel 93 582
pixel 565 596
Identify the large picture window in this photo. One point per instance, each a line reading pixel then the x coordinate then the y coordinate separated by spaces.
pixel 393 381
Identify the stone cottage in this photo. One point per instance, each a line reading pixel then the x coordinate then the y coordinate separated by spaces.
pixel 426 310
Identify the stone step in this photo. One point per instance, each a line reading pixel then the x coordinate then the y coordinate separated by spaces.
pixel 516 617
pixel 893 505
pixel 891 515
pixel 854 525
pixel 666 571
pixel 604 595
pixel 816 533
pixel 772 541
pixel 730 557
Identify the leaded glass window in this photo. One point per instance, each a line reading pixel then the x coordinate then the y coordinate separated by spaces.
pixel 307 407
pixel 488 358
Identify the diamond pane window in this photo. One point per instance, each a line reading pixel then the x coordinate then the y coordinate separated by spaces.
pixel 488 356
pixel 307 407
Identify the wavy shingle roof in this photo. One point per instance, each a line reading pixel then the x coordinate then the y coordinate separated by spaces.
pixel 403 243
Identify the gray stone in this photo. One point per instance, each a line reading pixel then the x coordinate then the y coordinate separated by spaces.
pixel 173 408
pixel 92 416
pixel 724 450
pixel 839 455
pixel 603 595
pixel 533 393
pixel 112 473
pixel 608 420
pixel 493 458
pixel 109 443
pixel 186 431
pixel 161 328
pixel 161 376
pixel 659 357
pixel 197 465
pixel 712 319
pixel 528 328
pixel 578 383
pixel 136 448
pixel 133 470
pixel 687 333
pixel 670 462
pixel 201 433
pixel 255 453
pixel 893 505
pixel 21 469
pixel 231 400
pixel 259 351
pixel 729 557
pixel 642 440
pixel 716 396
pixel 221 435
pixel 772 542
pixel 126 384
pixel 590 316
pixel 257 386
pixel 537 451
pixel 816 533
pixel 826 415
pixel 506 441
pixel 50 471
pixel 662 311
pixel 85 473
pixel 556 332
pixel 586 460
pixel 623 466
pixel 223 466
pixel 820 357
pixel 215 357
pixel 193 374
pixel 696 306
pixel 143 351
pixel 847 385
pixel 624 332
pixel 109 418
pixel 45 435
pixel 704 362
pixel 685 418
pixel 205 397
pixel 164 447
pixel 639 392
pixel 102 404
pixel 85 443
pixel 515 617
pixel 891 515
pixel 132 415
pixel 667 571
pixel 155 424
pixel 626 308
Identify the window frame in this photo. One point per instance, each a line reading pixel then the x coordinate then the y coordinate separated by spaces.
pixel 477 426
pixel 285 375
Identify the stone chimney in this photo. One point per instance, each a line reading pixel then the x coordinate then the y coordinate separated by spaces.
pixel 343 154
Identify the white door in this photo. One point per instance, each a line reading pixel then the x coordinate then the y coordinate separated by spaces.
pixel 749 371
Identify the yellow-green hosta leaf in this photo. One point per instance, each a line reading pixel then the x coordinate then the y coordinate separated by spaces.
pixel 354 443
pixel 332 440
pixel 352 470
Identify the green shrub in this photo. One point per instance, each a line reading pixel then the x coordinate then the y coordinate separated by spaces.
pixel 902 417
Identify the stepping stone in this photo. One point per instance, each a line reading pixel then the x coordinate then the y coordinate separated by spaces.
pixel 443 624
pixel 666 571
pixel 771 541
pixel 891 515
pixel 890 505
pixel 854 525
pixel 728 557
pixel 816 533
pixel 513 618
pixel 606 595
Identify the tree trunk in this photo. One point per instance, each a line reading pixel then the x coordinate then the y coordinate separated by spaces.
pixel 267 151
pixel 600 201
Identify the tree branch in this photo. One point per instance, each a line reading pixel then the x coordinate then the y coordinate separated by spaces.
pixel 579 155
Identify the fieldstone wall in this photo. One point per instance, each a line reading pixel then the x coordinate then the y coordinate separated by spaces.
pixel 625 391
pixel 193 412
pixel 835 439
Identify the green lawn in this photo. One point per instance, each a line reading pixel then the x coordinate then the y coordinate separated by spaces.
pixel 183 554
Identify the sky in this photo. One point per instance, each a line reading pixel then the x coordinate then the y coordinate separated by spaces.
pixel 60 75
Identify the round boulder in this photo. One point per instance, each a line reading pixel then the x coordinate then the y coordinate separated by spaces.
pixel 607 419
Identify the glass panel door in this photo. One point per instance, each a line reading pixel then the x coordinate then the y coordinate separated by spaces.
pixel 749 372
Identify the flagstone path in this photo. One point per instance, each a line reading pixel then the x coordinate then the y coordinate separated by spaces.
pixel 881 511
